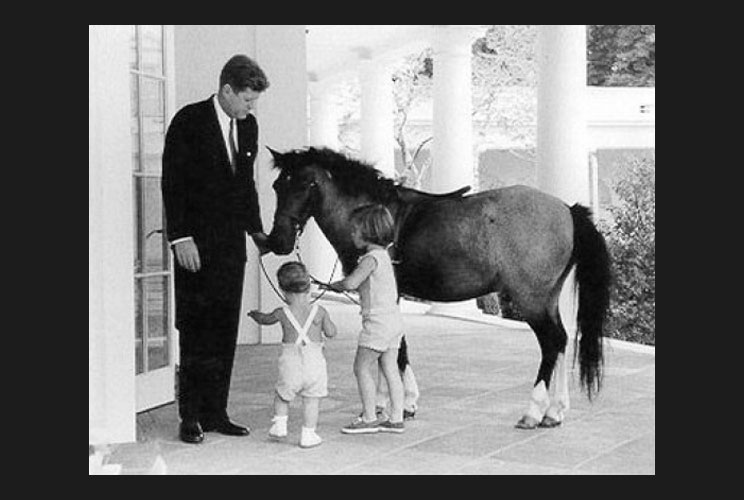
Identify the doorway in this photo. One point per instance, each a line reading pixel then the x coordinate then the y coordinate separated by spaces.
pixel 151 91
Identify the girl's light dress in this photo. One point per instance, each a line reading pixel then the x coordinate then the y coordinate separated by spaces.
pixel 382 323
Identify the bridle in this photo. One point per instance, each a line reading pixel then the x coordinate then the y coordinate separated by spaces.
pixel 299 227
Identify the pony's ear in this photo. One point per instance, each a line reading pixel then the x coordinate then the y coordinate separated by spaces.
pixel 275 154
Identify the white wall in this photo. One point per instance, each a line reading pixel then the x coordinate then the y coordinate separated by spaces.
pixel 282 117
pixel 111 381
pixel 622 117
pixel 201 52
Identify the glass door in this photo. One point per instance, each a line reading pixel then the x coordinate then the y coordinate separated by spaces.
pixel 154 353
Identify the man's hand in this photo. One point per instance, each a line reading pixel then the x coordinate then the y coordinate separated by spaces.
pixel 262 242
pixel 187 255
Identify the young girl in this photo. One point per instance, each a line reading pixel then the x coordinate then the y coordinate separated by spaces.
pixel 302 366
pixel 382 329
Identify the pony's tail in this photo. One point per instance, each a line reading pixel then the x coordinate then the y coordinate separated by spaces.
pixel 403 355
pixel 593 278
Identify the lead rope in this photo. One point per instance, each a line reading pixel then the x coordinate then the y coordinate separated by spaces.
pixel 266 275
pixel 298 233
pixel 313 278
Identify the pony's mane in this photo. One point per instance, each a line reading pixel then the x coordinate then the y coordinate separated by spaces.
pixel 353 177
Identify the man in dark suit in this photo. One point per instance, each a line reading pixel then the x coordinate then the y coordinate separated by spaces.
pixel 210 204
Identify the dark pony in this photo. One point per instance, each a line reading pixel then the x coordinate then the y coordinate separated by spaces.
pixel 451 247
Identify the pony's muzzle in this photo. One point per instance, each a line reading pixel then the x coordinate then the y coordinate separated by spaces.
pixel 283 234
pixel 280 246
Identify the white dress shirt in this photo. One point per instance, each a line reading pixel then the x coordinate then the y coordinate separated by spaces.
pixel 224 120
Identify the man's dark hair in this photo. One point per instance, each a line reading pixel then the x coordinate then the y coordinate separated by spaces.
pixel 242 72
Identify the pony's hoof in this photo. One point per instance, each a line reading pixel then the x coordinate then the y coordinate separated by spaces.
pixel 549 422
pixel 527 422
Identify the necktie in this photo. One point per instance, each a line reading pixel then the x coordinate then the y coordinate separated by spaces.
pixel 233 147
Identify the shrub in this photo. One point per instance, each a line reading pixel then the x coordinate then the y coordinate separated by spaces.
pixel 499 304
pixel 489 304
pixel 631 241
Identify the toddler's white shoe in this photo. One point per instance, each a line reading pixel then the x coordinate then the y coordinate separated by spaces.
pixel 279 429
pixel 309 438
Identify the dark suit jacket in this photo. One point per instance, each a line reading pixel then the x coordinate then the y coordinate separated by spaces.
pixel 202 196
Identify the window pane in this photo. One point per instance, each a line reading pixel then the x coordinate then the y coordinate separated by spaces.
pixel 154 142
pixel 151 98
pixel 155 256
pixel 138 235
pixel 157 354
pixel 156 292
pixel 139 358
pixel 134 121
pixel 153 123
pixel 152 49
pixel 138 327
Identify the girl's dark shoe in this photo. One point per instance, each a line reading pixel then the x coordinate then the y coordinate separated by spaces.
pixel 396 427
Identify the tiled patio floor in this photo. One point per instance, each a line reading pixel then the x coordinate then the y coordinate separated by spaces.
pixel 475 381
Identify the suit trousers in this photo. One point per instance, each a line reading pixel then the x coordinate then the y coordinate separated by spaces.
pixel 207 317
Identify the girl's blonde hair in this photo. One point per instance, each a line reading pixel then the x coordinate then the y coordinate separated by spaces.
pixel 375 223
pixel 293 277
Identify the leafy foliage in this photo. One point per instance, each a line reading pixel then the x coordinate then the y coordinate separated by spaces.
pixel 505 86
pixel 631 240
pixel 412 84
pixel 622 55
pixel 499 304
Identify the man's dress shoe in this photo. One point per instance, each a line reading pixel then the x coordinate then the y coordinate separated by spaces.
pixel 226 427
pixel 191 432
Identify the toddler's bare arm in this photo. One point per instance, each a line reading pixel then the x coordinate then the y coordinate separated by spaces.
pixel 263 318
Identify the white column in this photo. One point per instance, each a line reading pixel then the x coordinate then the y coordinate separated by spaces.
pixel 282 125
pixel 378 141
pixel 594 182
pixel 317 253
pixel 452 147
pixel 111 377
pixel 562 139
pixel 562 145
pixel 324 116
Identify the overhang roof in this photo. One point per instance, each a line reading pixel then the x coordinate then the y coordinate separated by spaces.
pixel 333 50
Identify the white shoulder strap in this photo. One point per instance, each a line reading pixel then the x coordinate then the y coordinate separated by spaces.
pixel 301 330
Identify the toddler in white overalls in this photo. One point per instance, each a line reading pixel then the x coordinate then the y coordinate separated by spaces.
pixel 302 366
